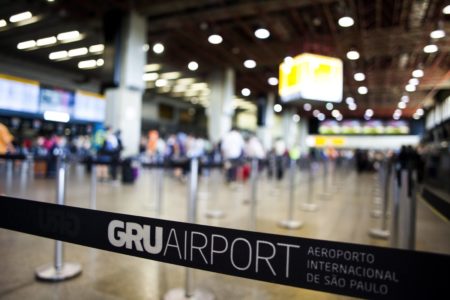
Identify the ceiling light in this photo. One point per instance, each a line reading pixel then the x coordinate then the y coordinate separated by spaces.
pixel 56 116
pixel 359 76
pixel 431 48
pixel 272 81
pixel 296 118
pixel 346 21
pixel 413 81
pixel 100 62
pixel 96 48
pixel 352 55
pixel 446 10
pixel 405 98
pixel 316 112
pixel 3 23
pixel 171 75
pixel 349 100
pixel 245 92
pixel 398 112
pixel 410 88
pixel 21 17
pixel 26 45
pixel 396 117
pixel 193 66
pixel 152 67
pixel 335 113
pixel 185 81
pixel 362 90
pixel 87 64
pixel 158 48
pixel 401 105
pixel 150 76
pixel 161 82
pixel 250 64
pixel 352 106
pixel 145 47
pixel 339 118
pixel 215 39
pixel 277 108
pixel 437 34
pixel 417 73
pixel 329 106
pixel 307 107
pixel 57 55
pixel 262 33
pixel 198 86
pixel 321 117
pixel 368 112
pixel 46 41
pixel 70 35
pixel 78 52
pixel 419 111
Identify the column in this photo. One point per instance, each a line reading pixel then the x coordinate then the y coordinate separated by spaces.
pixel 302 135
pixel 290 130
pixel 264 130
pixel 220 111
pixel 124 102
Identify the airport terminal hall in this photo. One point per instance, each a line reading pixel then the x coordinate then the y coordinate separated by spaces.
pixel 224 149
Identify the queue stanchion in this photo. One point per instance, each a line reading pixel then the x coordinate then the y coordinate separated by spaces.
pixel 189 292
pixel 93 192
pixel 377 202
pixel 159 190
pixel 385 177
pixel 325 185
pixel 290 223
pixel 213 211
pixel 9 176
pixel 59 270
pixel 253 197
pixel 395 188
pixel 407 211
pixel 309 204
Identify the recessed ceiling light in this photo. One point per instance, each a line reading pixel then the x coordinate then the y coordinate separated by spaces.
pixel 158 48
pixel 46 41
pixel 353 55
pixel 145 47
pixel 413 81
pixel 272 81
pixel 349 100
pixel 193 65
pixel 321 117
pixel 152 67
pixel 21 17
pixel 277 108
pixel 3 23
pixel 405 98
pixel 26 45
pixel 359 76
pixel 346 21
pixel 396 117
pixel 401 105
pixel 417 73
pixel 352 106
pixel 262 33
pixel 70 35
pixel 307 107
pixel 170 75
pixel 437 34
pixel 431 48
pixel 100 62
pixel 78 52
pixel 250 64
pixel 96 48
pixel 215 39
pixel 335 113
pixel 419 111
pixel 329 106
pixel 87 64
pixel 362 90
pixel 296 118
pixel 410 88
pixel 245 92
pixel 446 10
pixel 57 55
pixel 368 112
pixel 161 82
pixel 316 112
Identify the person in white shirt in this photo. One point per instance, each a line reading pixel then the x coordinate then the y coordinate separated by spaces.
pixel 232 149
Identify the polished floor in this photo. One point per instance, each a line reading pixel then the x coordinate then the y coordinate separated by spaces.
pixel 345 202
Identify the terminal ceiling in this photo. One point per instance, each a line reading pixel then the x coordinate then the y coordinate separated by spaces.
pixel 389 35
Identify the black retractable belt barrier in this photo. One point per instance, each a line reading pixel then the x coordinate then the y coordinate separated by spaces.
pixel 342 268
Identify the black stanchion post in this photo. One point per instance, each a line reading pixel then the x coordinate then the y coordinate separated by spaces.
pixel 407 211
pixel 189 292
pixel 93 192
pixel 290 223
pixel 396 184
pixel 60 270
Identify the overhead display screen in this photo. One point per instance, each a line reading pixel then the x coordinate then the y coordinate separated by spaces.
pixel 19 94
pixel 89 107
pixel 364 127
pixel 56 99
pixel 311 77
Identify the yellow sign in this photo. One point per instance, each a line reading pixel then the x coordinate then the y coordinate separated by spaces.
pixel 312 77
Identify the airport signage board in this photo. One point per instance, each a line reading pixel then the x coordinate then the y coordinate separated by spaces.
pixel 311 77
pixel 335 267
pixel 19 94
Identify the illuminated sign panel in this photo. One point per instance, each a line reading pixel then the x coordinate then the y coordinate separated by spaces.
pixel 19 94
pixel 312 77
